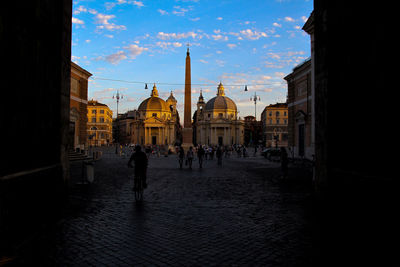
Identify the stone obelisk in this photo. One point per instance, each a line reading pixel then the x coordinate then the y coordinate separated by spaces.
pixel 187 131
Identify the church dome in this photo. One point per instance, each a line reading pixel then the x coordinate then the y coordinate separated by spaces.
pixel 153 103
pixel 220 102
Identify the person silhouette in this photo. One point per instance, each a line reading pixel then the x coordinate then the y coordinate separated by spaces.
pixel 141 162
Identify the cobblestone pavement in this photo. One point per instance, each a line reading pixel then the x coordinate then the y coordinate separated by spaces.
pixel 240 213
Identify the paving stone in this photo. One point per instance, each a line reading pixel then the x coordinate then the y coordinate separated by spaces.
pixel 234 215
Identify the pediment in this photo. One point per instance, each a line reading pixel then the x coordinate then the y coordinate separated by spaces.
pixel 153 120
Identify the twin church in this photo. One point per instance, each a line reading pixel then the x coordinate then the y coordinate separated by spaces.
pixel 156 121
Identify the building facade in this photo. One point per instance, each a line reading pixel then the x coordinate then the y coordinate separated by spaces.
pixel 78 107
pixel 300 111
pixel 252 131
pixel 155 122
pixel 99 125
pixel 275 120
pixel 216 122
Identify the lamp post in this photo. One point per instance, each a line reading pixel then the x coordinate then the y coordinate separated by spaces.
pixel 117 96
pixel 255 98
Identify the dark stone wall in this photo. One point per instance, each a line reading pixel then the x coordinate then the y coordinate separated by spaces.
pixel 355 138
pixel 35 48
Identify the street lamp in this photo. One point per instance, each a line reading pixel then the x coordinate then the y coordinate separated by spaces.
pixel 255 98
pixel 117 96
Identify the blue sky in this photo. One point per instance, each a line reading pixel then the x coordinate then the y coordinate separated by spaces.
pixel 251 42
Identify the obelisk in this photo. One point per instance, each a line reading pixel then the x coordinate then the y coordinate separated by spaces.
pixel 187 131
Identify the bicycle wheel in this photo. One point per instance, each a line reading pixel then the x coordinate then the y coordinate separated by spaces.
pixel 139 189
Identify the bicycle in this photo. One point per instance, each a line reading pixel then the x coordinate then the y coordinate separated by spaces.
pixel 138 188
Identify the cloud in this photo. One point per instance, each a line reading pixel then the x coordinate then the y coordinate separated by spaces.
pixel 103 19
pixel 252 35
pixel 195 19
pixel 203 61
pixel 139 4
pixel 167 36
pixel 179 11
pixel 219 37
pixel 277 24
pixel 135 50
pixel 162 12
pixel 116 58
pixel 289 19
pixel 219 18
pixel 77 21
pixel 167 45
pixel 231 46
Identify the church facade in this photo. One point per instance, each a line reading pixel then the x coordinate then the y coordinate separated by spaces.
pixel 155 122
pixel 216 122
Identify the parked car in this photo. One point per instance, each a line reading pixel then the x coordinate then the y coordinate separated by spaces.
pixel 273 154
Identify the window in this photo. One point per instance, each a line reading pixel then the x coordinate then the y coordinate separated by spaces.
pixel 154 114
pixel 101 119
pixel 93 111
pixel 270 113
pixel 270 121
pixel 102 111
pixel 277 114
pixel 220 115
pixel 285 121
pixel 277 121
pixel 284 113
pixel 93 119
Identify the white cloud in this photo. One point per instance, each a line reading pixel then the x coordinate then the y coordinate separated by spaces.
pixel 219 18
pixel 252 35
pixel 179 11
pixel 231 46
pixel 77 21
pixel 289 19
pixel 135 50
pixel 167 36
pixel 203 61
pixel 277 24
pixel 139 4
pixel 167 45
pixel 116 58
pixel 195 19
pixel 105 24
pixel 219 37
pixel 162 12
pixel 79 10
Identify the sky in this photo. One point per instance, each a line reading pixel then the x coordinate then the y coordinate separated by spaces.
pixel 125 44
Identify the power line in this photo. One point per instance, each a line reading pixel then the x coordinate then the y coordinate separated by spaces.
pixel 182 84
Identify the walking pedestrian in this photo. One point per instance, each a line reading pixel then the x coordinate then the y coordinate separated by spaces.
pixel 219 155
pixel 200 155
pixel 284 162
pixel 189 157
pixel 181 156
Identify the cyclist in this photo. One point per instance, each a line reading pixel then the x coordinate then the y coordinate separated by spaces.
pixel 181 154
pixel 140 159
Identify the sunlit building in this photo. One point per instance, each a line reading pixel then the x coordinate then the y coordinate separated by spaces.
pixel 275 120
pixel 78 107
pixel 216 122
pixel 99 125
pixel 155 122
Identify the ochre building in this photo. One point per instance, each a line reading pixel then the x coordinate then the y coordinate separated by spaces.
pixel 78 107
pixel 275 120
pixel 155 122
pixel 99 125
pixel 216 122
